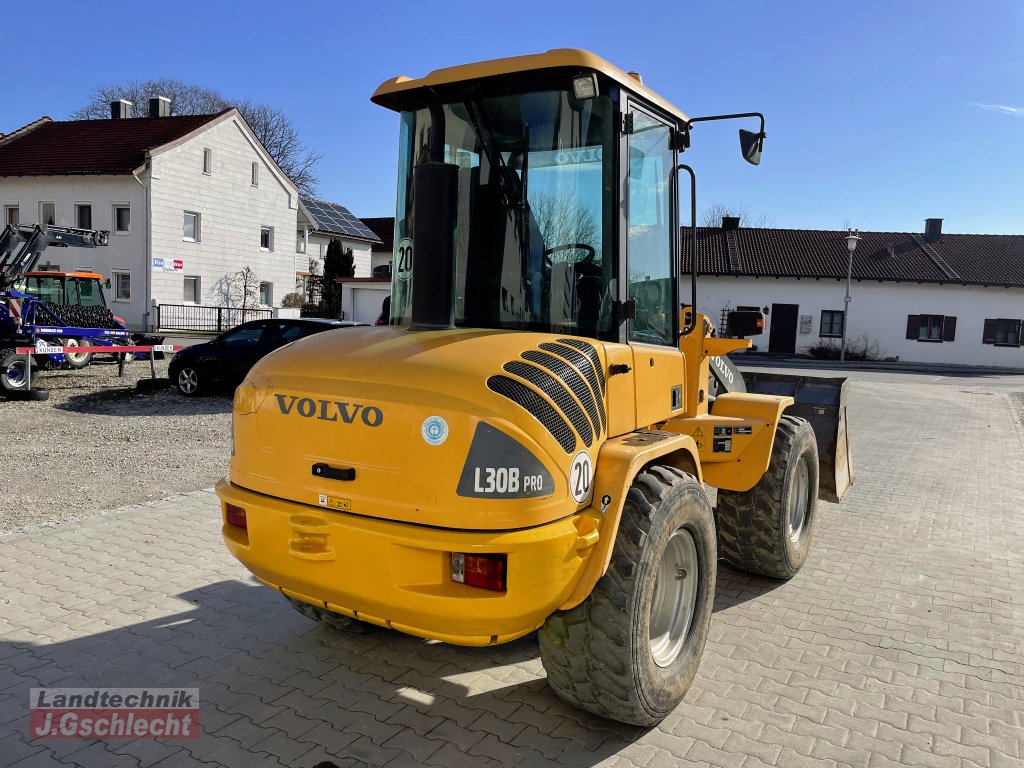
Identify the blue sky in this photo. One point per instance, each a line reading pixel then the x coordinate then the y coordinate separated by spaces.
pixel 880 114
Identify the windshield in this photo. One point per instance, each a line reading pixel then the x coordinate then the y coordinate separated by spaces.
pixel 532 211
pixel 85 291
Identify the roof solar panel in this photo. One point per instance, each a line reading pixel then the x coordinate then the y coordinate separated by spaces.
pixel 337 219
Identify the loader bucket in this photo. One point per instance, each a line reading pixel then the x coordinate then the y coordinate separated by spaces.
pixel 822 401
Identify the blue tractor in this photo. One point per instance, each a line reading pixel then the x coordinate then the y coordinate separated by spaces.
pixel 49 309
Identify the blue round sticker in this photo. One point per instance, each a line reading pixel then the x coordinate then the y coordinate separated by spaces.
pixel 434 430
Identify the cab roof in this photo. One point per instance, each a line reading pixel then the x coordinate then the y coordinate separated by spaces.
pixel 389 93
pixel 48 273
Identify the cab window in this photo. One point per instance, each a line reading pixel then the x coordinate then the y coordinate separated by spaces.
pixel 649 218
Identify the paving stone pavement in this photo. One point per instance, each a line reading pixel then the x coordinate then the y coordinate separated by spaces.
pixel 900 642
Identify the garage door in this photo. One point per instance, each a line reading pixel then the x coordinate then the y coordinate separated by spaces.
pixel 366 304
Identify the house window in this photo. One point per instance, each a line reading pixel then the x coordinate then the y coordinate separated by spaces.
pixel 83 215
pixel 935 328
pixel 47 213
pixel 300 244
pixel 831 322
pixel 11 215
pixel 207 161
pixel 193 223
pixel 191 293
pixel 122 286
pixel 122 218
pixel 266 238
pixel 255 174
pixel 267 294
pixel 1002 332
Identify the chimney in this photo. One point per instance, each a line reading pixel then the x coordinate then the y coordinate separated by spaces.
pixel 932 229
pixel 730 222
pixel 159 106
pixel 120 109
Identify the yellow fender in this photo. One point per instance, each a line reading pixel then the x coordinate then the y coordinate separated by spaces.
pixel 619 461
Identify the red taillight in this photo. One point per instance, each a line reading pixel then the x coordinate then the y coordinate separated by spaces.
pixel 484 571
pixel 235 515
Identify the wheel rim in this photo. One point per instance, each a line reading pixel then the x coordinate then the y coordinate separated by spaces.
pixel 798 501
pixel 16 374
pixel 188 381
pixel 675 597
pixel 74 357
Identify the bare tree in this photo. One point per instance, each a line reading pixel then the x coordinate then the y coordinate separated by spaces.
pixel 563 219
pixel 271 126
pixel 249 288
pixel 236 289
pixel 712 216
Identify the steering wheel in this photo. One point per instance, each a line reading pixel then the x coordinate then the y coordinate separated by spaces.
pixel 591 253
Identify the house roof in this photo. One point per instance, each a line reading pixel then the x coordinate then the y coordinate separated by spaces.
pixel 335 219
pixel 961 259
pixel 77 147
pixel 384 228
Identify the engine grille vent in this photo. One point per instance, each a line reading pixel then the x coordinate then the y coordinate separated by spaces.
pixel 551 387
pixel 585 366
pixel 589 351
pixel 537 406
pixel 566 373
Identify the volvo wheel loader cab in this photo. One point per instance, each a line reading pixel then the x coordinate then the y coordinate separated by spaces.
pixel 525 446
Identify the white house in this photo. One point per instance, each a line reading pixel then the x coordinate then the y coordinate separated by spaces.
pixel 187 200
pixel 928 297
pixel 319 222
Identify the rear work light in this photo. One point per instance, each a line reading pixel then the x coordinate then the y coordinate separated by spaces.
pixel 235 515
pixel 484 571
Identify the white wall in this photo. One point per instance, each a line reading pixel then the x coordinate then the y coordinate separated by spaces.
pixel 880 311
pixel 125 252
pixel 379 258
pixel 232 213
pixel 318 250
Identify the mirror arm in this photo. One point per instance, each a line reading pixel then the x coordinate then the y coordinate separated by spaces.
pixel 685 136
pixel 691 322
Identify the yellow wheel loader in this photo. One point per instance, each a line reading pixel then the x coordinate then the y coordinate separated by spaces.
pixel 526 445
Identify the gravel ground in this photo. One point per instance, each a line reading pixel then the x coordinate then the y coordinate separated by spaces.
pixel 97 444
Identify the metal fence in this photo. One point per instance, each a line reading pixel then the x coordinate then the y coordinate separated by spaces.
pixel 193 317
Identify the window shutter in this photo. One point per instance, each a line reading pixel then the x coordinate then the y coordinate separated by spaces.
pixel 913 326
pixel 948 328
pixel 988 334
pixel 1020 341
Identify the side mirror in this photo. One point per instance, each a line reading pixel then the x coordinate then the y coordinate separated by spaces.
pixel 739 325
pixel 751 145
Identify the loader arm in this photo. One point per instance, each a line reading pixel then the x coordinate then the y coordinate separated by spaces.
pixel 36 239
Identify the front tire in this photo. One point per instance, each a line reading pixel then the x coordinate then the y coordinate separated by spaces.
pixel 630 651
pixel 13 375
pixel 768 529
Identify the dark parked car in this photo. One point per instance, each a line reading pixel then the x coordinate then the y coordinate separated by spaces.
pixel 224 361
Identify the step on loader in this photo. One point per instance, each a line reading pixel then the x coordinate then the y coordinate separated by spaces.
pixel 526 445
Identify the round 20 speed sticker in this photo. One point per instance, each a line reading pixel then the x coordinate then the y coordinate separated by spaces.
pixel 581 477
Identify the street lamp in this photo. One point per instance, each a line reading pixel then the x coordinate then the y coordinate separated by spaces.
pixel 852 238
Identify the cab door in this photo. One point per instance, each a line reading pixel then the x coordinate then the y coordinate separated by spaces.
pixel 652 265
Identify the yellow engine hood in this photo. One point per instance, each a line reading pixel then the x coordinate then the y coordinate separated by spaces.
pixel 381 422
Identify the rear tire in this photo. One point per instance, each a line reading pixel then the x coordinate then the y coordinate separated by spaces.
pixel 187 381
pixel 331 619
pixel 76 360
pixel 630 651
pixel 12 371
pixel 768 529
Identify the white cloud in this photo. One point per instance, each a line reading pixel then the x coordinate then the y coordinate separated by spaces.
pixel 1002 109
